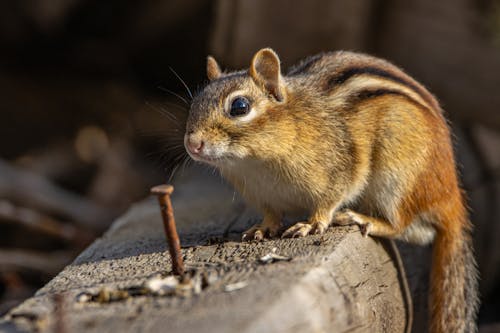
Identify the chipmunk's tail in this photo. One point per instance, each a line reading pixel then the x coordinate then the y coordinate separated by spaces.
pixel 454 297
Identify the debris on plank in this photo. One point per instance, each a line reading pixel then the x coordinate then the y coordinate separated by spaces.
pixel 235 286
pixel 272 257
pixel 156 285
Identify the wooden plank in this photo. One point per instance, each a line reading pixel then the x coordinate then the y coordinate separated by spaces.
pixel 338 282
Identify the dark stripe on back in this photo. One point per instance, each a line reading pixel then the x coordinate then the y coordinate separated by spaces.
pixel 374 71
pixel 373 93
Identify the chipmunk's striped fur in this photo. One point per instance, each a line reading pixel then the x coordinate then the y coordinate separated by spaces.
pixel 345 138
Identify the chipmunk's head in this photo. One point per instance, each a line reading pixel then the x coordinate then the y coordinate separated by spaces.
pixel 235 115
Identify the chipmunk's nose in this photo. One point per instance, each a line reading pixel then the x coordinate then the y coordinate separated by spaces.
pixel 194 144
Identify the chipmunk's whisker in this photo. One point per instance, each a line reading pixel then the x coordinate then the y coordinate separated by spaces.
pixel 182 81
pixel 173 93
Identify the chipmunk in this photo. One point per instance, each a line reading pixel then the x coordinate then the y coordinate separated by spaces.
pixel 345 138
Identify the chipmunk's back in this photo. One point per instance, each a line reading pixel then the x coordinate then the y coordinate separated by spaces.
pixel 356 72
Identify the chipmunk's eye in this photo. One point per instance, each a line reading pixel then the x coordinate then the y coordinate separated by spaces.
pixel 239 107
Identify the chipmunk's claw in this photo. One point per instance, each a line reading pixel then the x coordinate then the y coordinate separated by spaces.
pixel 302 229
pixel 319 228
pixel 258 232
pixel 249 236
pixel 297 230
pixel 365 229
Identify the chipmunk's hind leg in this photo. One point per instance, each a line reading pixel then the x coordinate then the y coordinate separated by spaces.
pixel 368 225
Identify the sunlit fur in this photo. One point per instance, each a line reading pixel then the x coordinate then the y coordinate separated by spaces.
pixel 345 130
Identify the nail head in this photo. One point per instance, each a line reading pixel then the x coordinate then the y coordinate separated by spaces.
pixel 162 189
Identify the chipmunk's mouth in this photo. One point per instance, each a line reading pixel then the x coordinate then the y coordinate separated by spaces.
pixel 204 158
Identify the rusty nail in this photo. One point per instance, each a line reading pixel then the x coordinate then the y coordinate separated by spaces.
pixel 163 193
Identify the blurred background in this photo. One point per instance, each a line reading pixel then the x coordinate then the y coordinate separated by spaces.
pixel 91 104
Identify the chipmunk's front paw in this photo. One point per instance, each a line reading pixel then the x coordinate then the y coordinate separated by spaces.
pixel 348 217
pixel 258 232
pixel 301 229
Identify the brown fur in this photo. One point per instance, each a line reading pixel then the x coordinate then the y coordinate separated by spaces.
pixel 348 138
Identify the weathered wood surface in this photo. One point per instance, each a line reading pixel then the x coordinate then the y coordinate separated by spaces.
pixel 337 282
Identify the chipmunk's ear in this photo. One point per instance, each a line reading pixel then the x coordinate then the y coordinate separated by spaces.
pixel 265 71
pixel 213 69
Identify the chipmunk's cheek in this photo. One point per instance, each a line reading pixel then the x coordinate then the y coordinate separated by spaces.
pixel 216 150
pixel 238 151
